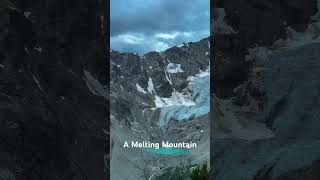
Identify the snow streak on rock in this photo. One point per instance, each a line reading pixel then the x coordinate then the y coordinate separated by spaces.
pixel 150 86
pixel 140 89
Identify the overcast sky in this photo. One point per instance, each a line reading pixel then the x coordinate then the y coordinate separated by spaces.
pixel 154 25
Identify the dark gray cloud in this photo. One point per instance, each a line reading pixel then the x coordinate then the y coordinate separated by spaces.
pixel 146 25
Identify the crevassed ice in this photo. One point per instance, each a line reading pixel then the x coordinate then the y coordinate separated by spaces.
pixel 174 68
pixel 185 106
pixel 176 99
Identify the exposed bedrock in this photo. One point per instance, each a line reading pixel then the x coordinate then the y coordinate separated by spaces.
pixel 52 102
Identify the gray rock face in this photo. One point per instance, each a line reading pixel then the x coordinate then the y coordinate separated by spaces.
pixel 267 124
pixel 51 121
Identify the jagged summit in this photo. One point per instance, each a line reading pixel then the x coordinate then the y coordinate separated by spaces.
pixel 183 45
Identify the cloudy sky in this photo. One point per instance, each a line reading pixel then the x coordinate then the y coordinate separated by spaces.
pixel 154 25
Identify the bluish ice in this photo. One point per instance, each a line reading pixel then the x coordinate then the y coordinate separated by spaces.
pixel 199 86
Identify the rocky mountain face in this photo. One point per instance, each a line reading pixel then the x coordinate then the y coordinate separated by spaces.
pixel 265 94
pixel 52 100
pixel 160 96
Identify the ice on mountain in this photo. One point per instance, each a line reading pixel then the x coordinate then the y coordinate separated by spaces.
pixel 140 89
pixel 181 106
pixel 150 86
pixel 165 72
pixel 201 74
pixel 176 99
pixel 174 68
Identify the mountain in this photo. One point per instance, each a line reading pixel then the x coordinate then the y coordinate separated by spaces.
pixel 52 61
pixel 160 96
pixel 265 98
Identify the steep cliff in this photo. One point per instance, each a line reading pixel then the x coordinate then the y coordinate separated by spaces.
pixel 52 71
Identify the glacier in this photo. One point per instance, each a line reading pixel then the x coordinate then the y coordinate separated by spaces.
pixel 184 106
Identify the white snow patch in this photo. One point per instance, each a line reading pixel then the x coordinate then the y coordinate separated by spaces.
pixel 181 45
pixel 165 72
pixel 174 68
pixel 150 86
pixel 140 89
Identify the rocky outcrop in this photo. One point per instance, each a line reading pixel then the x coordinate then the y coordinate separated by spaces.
pixel 52 121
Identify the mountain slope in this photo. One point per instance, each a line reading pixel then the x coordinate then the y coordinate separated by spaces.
pixel 159 97
pixel 274 45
